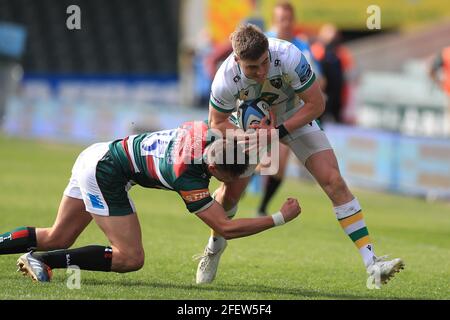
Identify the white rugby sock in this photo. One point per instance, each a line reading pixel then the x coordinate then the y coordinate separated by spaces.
pixel 351 219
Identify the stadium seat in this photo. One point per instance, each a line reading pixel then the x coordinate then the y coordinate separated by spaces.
pixel 116 37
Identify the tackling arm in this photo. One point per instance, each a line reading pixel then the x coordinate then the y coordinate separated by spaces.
pixel 215 217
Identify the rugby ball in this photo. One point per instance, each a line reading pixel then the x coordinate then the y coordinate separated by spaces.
pixel 251 112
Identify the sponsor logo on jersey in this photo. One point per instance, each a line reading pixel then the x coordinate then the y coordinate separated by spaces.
pixel 194 195
pixel 276 83
pixel 306 74
pixel 269 97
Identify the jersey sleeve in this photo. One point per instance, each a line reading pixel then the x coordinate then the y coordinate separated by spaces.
pixel 315 65
pixel 298 69
pixel 194 192
pixel 222 99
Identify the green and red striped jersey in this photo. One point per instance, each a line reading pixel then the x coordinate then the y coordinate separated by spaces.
pixel 169 159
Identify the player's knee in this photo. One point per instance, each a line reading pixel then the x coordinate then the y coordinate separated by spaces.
pixel 231 198
pixel 134 261
pixel 233 192
pixel 226 197
pixel 136 264
pixel 230 203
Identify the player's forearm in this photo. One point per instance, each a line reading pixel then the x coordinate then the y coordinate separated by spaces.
pixel 247 226
pixel 309 112
pixel 224 125
pixel 221 125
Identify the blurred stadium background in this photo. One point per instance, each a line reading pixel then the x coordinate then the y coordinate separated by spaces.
pixel 138 65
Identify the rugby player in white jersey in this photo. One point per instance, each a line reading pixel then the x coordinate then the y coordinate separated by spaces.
pixel 283 27
pixel 277 71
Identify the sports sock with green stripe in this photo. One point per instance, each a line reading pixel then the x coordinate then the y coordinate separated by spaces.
pixel 19 240
pixel 351 220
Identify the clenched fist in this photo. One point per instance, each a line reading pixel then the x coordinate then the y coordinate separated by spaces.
pixel 290 209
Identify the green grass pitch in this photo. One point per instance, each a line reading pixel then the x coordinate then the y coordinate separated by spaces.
pixel 309 258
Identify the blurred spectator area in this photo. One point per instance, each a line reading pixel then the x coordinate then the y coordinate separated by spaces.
pixel 116 36
pixel 116 76
pixel 395 91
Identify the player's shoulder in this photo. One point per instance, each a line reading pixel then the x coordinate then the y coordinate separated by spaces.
pixel 227 67
pixel 226 77
pixel 280 45
pixel 283 48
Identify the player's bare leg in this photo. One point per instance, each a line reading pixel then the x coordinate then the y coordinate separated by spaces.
pixel 228 195
pixel 324 167
pixel 125 253
pixel 70 221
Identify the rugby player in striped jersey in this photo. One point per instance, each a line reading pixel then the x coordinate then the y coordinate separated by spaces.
pixel 181 160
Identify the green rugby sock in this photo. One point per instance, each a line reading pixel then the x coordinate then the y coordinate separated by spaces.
pixel 19 240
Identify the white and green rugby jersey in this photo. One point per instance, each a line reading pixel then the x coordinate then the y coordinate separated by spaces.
pixel 169 159
pixel 289 73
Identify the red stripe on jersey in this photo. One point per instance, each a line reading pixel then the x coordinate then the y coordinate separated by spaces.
pixel 125 147
pixel 19 234
pixel 179 168
pixel 191 144
pixel 151 167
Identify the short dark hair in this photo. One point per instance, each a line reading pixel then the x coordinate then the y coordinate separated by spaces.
pixel 249 42
pixel 229 156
